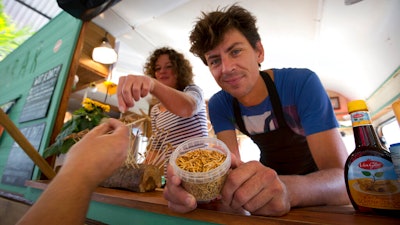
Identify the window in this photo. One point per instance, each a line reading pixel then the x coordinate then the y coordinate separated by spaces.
pixel 390 131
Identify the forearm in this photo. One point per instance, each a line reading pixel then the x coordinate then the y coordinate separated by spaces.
pixel 177 102
pixel 325 187
pixel 68 206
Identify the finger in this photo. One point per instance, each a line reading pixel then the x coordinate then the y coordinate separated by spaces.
pixel 121 95
pixel 136 89
pixel 99 130
pixel 118 127
pixel 234 182
pixel 235 161
pixel 178 199
pixel 147 86
pixel 110 125
pixel 181 208
pixel 171 173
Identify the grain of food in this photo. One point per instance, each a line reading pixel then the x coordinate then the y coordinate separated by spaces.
pixel 202 164
pixel 204 192
pixel 200 160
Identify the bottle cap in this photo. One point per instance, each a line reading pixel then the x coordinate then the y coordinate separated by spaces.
pixel 357 105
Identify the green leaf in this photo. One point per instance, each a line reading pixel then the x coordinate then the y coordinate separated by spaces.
pixel 378 174
pixel 366 173
pixel 67 145
pixel 10 36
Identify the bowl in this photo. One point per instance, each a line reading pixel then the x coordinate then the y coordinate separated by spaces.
pixel 202 164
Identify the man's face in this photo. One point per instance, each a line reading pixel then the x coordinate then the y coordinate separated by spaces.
pixel 234 64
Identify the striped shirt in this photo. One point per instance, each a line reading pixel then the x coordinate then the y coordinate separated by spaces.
pixel 168 128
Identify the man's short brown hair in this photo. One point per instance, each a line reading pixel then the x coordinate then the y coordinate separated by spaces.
pixel 211 28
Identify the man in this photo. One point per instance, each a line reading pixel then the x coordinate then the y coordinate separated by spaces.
pixel 286 112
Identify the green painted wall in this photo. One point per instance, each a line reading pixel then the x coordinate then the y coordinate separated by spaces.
pixel 50 47
pixel 117 215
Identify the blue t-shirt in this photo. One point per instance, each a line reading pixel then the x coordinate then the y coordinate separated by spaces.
pixel 306 106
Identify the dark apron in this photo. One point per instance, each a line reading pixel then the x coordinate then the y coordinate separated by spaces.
pixel 282 149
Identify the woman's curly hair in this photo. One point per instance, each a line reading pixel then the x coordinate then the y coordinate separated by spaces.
pixel 181 66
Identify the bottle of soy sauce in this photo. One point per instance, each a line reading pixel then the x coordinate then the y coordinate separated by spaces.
pixel 369 173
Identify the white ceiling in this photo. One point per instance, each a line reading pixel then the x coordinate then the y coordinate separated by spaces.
pixel 353 48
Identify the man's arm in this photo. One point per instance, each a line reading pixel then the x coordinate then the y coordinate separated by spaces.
pixel 230 139
pixel 259 190
pixel 326 186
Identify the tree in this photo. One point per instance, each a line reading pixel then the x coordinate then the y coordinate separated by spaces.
pixel 10 36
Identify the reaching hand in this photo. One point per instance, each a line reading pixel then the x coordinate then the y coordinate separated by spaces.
pixel 131 88
pixel 100 152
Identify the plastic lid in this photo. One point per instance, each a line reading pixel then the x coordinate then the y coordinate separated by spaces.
pixel 204 186
pixel 395 145
pixel 357 105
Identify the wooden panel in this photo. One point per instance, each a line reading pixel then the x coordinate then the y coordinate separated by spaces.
pixel 341 103
pixel 216 212
pixel 89 70
pixel 385 95
pixel 11 211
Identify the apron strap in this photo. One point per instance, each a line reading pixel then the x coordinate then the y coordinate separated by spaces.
pixel 276 105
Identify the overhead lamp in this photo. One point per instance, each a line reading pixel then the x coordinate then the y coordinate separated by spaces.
pixel 105 54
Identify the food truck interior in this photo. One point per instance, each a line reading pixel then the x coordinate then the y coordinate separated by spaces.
pixel 352 45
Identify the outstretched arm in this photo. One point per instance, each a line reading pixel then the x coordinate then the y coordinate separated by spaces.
pixel 89 162
pixel 133 87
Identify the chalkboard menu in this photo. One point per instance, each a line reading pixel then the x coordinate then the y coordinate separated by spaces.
pixel 39 97
pixel 19 167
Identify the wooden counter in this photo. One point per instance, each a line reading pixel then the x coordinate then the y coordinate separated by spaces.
pixel 216 213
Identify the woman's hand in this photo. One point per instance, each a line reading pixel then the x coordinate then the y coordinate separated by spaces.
pixel 132 88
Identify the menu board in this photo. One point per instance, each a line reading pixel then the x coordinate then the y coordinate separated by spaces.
pixel 39 97
pixel 19 167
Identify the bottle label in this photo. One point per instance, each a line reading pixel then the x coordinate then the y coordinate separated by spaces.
pixel 360 118
pixel 373 183
pixel 395 155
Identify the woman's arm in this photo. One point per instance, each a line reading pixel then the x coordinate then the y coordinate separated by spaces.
pixel 133 87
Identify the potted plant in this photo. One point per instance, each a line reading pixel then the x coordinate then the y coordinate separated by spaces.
pixel 84 119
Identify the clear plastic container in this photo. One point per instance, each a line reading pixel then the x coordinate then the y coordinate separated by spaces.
pixel 204 186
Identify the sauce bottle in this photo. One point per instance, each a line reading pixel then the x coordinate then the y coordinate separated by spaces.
pixel 370 178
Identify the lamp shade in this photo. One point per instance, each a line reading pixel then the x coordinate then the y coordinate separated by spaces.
pixel 104 53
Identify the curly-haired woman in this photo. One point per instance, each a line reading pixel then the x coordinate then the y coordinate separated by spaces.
pixel 181 111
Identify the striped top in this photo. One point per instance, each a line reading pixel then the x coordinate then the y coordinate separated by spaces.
pixel 170 128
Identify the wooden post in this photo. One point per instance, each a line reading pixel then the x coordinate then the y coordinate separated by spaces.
pixel 16 134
